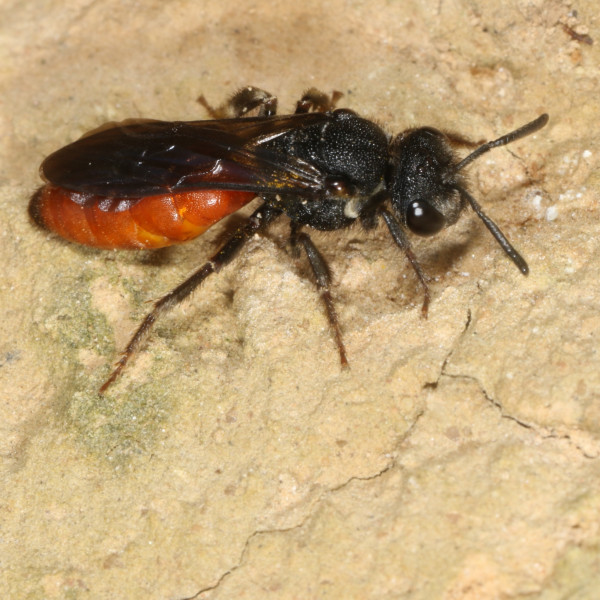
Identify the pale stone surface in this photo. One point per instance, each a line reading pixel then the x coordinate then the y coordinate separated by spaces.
pixel 456 459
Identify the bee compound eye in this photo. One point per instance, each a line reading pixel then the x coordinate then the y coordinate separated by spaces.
pixel 424 219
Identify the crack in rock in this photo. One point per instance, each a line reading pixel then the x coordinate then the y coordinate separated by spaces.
pixel 313 510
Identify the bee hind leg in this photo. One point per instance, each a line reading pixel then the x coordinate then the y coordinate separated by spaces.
pixel 248 101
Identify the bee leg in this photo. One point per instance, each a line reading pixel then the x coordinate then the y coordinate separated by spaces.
pixel 315 101
pixel 369 211
pixel 323 281
pixel 258 221
pixel 294 231
pixel 247 100
pixel 399 236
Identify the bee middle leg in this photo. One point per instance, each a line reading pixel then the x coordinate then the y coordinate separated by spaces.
pixel 323 281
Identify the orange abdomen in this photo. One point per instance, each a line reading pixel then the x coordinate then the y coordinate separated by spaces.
pixel 126 223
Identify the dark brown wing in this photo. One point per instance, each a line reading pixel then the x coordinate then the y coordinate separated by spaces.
pixel 142 158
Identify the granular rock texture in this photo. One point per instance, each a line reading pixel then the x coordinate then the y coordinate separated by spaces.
pixel 458 457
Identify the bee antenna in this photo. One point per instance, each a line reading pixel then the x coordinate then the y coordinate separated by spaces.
pixel 528 129
pixel 495 231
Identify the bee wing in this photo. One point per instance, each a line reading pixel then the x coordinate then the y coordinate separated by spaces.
pixel 138 158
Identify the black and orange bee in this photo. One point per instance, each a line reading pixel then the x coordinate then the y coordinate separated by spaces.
pixel 148 184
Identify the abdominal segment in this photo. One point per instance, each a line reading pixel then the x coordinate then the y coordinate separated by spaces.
pixel 132 223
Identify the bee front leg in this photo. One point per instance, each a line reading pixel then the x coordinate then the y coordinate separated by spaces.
pixel 399 236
